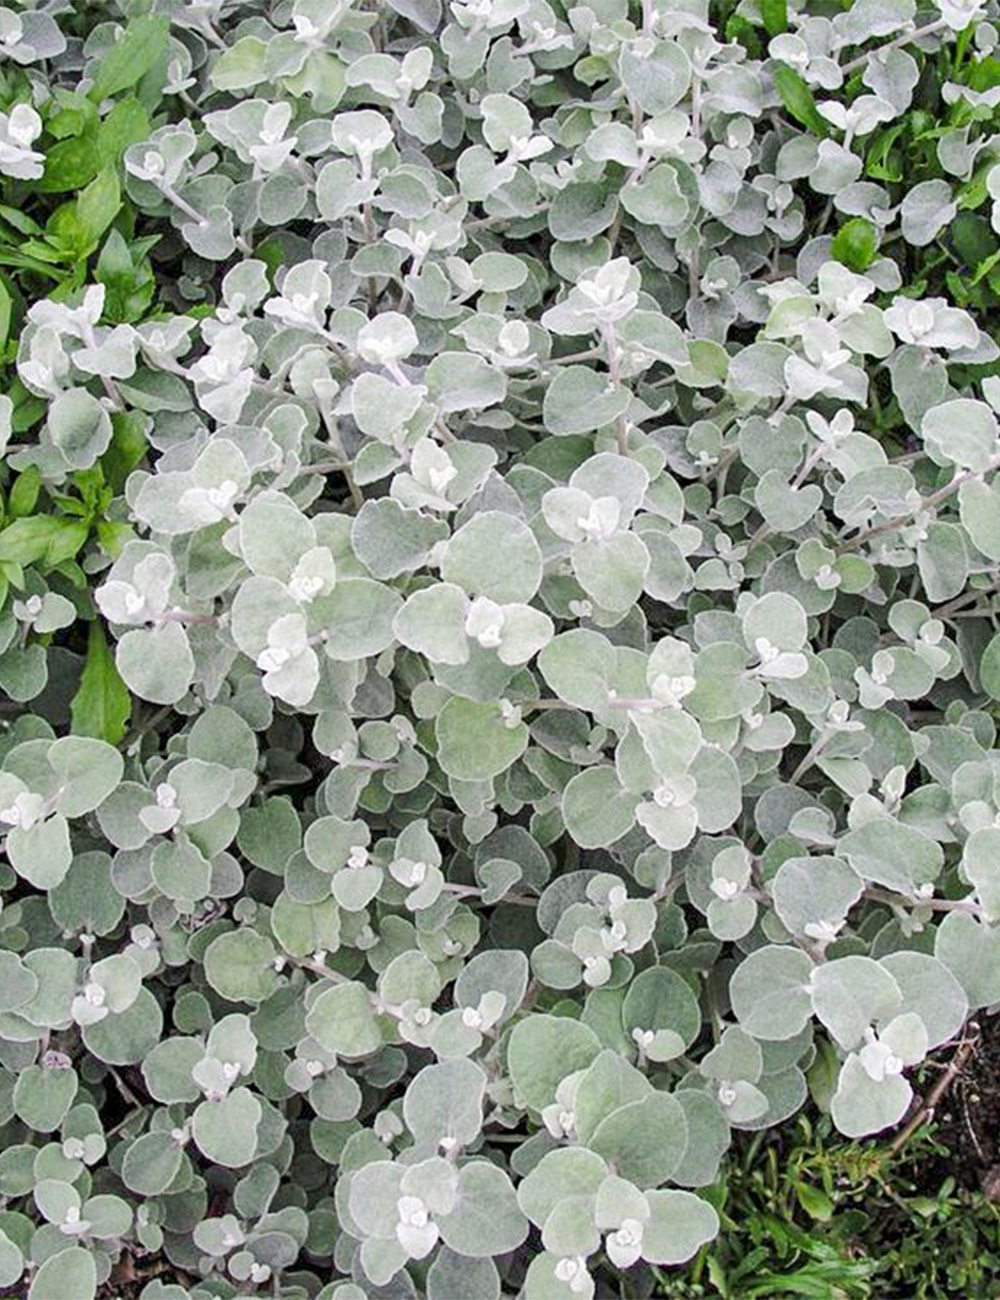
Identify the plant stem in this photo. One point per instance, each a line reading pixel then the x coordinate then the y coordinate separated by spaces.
pixel 927 503
pixel 343 465
pixel 317 968
pixel 818 746
pixel 907 38
pixel 142 729
pixel 470 891
pixel 925 1112
pixel 934 904
pixel 944 612
pixel 182 205
pixel 614 369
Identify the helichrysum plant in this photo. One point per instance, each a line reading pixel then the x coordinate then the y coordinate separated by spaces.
pixel 500 544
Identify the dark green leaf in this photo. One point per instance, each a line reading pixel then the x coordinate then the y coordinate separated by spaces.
pixel 798 99
pixel 24 493
pixel 972 238
pixel 984 74
pixel 743 31
pixel 98 205
pixel 855 244
pixel 113 536
pixel 75 114
pixel 102 705
pixel 128 446
pixel 45 250
pixel 114 266
pixel 71 164
pixel 91 487
pixel 143 42
pixel 126 124
pixel 20 220
pixel 41 538
pixel 775 16
pixel 6 305
pixel 815 1202
pixel 127 276
pixel 28 263
pixel 28 409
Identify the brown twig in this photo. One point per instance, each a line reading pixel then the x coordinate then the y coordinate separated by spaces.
pixel 925 1111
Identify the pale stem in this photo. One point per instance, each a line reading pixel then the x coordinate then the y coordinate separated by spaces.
pixel 614 369
pixel 934 904
pixel 927 503
pixel 182 205
pixel 344 465
pixel 813 753
pixel 906 39
pixel 945 612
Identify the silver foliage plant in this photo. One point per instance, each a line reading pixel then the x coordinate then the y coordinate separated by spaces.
pixel 578 755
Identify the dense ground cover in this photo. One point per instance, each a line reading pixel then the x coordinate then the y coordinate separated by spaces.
pixel 499 655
